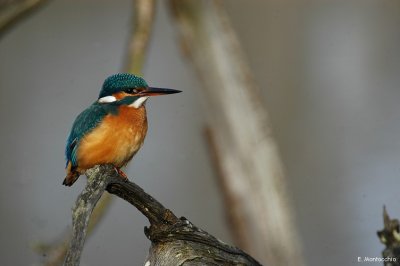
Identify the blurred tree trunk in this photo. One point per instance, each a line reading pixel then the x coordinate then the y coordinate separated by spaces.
pixel 244 151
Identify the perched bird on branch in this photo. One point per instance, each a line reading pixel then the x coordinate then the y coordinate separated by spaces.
pixel 113 128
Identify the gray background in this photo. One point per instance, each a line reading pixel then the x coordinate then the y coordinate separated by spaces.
pixel 329 74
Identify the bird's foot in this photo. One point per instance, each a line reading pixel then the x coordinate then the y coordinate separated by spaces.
pixel 121 173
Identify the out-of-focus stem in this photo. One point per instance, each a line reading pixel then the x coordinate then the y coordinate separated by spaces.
pixel 14 11
pixel 137 51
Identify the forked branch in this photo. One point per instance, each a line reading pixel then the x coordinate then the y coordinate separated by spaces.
pixel 174 241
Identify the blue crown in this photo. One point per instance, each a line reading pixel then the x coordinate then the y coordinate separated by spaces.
pixel 120 82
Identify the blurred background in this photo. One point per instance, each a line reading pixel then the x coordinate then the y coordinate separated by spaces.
pixel 329 74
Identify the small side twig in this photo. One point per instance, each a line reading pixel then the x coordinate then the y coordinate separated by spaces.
pixel 390 237
pixel 174 241
pixel 156 213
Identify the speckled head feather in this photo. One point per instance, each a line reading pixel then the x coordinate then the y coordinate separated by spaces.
pixel 120 82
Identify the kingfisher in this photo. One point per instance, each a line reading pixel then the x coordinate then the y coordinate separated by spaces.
pixel 113 128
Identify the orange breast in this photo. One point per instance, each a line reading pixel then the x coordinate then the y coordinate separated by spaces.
pixel 115 140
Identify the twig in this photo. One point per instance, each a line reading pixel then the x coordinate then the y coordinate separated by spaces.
pixel 15 11
pixel 248 156
pixel 390 237
pixel 175 241
pixel 149 207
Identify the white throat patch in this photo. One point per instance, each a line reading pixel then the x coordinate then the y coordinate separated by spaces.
pixel 139 102
pixel 107 99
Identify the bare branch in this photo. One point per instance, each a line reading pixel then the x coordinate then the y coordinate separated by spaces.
pixel 84 205
pixel 175 241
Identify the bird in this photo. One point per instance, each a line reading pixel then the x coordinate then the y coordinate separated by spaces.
pixel 113 128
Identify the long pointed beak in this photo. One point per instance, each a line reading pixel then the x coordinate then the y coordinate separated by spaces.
pixel 152 91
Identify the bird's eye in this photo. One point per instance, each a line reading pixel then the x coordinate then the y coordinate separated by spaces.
pixel 131 90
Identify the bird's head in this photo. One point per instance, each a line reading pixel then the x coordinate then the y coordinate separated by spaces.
pixel 130 90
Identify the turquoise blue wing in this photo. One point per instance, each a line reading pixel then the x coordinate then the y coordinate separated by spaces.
pixel 83 124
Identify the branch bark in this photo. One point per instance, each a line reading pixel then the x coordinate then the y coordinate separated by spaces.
pixel 84 205
pixel 242 143
pixel 175 241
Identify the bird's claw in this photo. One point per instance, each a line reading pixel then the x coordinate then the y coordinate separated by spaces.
pixel 123 176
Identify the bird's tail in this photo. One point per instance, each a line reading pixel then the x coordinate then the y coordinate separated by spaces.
pixel 72 175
